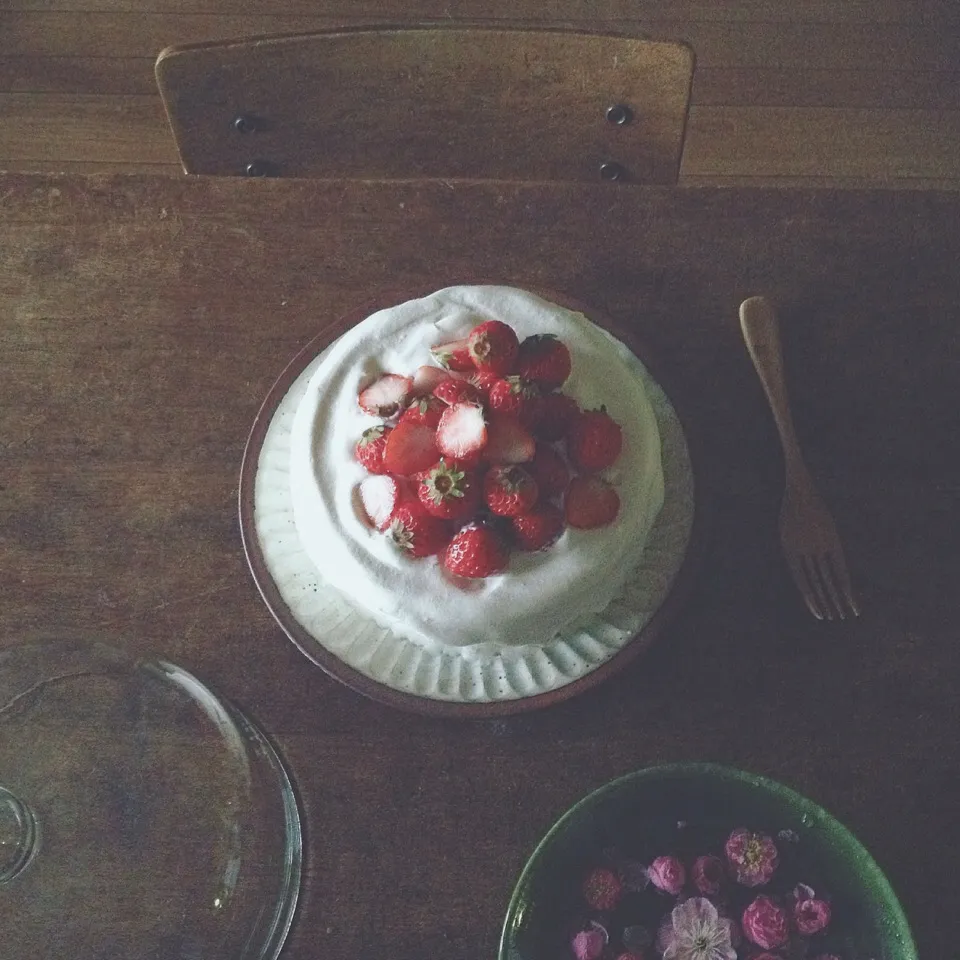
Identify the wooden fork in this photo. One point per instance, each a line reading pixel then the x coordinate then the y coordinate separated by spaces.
pixel 808 534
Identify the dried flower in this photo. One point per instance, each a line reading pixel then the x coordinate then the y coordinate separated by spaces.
pixel 589 944
pixel 707 874
pixel 752 857
pixel 696 931
pixel 811 916
pixel 667 874
pixel 602 889
pixel 766 924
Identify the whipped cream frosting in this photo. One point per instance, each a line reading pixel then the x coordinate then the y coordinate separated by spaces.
pixel 538 594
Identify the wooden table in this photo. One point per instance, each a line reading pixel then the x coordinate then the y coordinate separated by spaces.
pixel 144 319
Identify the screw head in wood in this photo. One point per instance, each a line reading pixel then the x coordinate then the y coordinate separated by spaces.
pixel 619 114
pixel 612 171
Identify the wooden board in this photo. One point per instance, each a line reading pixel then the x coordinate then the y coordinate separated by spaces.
pixel 442 102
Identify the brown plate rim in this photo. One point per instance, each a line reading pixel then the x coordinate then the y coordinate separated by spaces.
pixel 339 670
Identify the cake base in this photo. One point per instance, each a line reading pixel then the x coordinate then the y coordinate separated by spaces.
pixel 478 680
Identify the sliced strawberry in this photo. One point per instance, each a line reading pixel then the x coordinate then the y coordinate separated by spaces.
pixel 538 528
pixel 387 396
pixel 476 551
pixel 416 532
pixel 371 446
pixel 380 496
pixel 557 410
pixel 424 410
pixel 449 491
pixel 594 440
pixel 452 391
pixel 493 345
pixel 410 448
pixel 509 441
pixel 426 378
pixel 550 471
pixel 508 490
pixel 544 359
pixel 590 502
pixel 454 355
pixel 462 433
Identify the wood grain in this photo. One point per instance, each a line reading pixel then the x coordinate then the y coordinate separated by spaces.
pixel 143 319
pixel 523 104
pixel 890 55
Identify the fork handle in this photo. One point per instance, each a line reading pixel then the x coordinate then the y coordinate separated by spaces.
pixel 761 333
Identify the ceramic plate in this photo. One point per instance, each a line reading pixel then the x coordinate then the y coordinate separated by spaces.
pixel 466 681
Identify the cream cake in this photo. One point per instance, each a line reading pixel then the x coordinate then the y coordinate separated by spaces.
pixel 539 593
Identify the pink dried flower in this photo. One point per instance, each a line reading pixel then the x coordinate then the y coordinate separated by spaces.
pixel 602 889
pixel 766 924
pixel 707 874
pixel 667 874
pixel 752 857
pixel 811 916
pixel 589 944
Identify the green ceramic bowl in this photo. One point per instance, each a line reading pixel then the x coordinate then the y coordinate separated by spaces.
pixel 641 811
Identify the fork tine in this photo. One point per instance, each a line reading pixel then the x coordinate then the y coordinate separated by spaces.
pixel 841 577
pixel 816 587
pixel 825 570
pixel 802 581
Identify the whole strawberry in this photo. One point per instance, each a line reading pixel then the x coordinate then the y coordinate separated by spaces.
pixel 544 359
pixel 590 503
pixel 515 396
pixel 416 532
pixel 449 492
pixel 508 490
pixel 550 471
pixel 425 411
pixel 493 346
pixel 370 447
pixel 594 440
pixel 538 528
pixel 556 412
pixel 476 551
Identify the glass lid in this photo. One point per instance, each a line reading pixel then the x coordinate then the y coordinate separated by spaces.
pixel 140 816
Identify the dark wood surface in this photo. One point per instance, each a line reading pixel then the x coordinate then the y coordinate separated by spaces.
pixel 838 93
pixel 371 104
pixel 143 319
